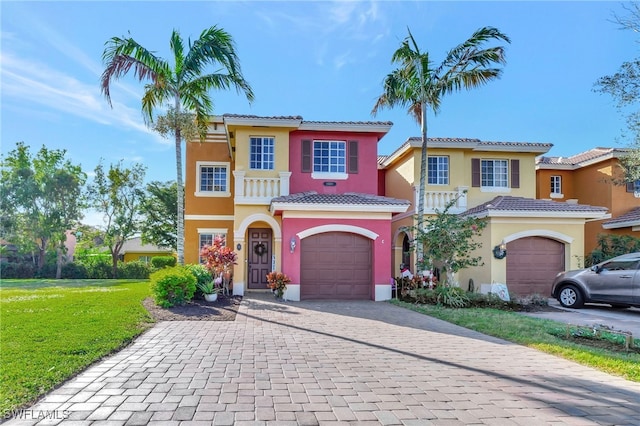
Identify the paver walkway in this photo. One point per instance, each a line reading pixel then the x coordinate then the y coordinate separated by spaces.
pixel 307 363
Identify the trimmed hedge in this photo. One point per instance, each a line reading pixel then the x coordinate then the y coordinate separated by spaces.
pixel 159 262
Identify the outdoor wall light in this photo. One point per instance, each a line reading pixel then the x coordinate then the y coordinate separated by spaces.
pixel 292 244
pixel 500 251
pixel 238 246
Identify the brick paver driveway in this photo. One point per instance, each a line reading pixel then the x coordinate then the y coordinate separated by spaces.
pixel 308 363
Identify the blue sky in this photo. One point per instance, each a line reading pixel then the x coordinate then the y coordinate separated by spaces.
pixel 320 60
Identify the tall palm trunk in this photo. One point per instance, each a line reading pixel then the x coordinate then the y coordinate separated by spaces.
pixel 180 203
pixel 421 190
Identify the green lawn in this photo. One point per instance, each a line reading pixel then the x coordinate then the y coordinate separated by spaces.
pixel 538 333
pixel 52 329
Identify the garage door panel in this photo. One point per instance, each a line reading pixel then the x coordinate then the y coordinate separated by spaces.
pixel 532 264
pixel 335 265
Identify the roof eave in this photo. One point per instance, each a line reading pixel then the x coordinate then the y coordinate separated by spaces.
pixel 370 208
pixel 346 127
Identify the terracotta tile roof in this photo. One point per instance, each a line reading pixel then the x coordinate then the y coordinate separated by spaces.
pixel 475 144
pixel 359 123
pixel 583 157
pixel 521 204
pixel 631 218
pixel 348 198
pixel 275 117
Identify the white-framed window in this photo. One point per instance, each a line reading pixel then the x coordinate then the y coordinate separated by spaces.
pixel 329 157
pixel 438 170
pixel 206 237
pixel 212 179
pixel 556 186
pixel 144 259
pixel 494 173
pixel 261 153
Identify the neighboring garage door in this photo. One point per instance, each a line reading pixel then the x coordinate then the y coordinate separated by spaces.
pixel 335 265
pixel 532 264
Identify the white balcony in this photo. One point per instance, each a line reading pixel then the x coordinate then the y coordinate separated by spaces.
pixel 438 200
pixel 259 190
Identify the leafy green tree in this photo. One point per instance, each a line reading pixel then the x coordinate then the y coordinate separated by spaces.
pixel 184 87
pixel 41 199
pixel 118 194
pixel 448 241
pixel 418 84
pixel 624 87
pixel 159 209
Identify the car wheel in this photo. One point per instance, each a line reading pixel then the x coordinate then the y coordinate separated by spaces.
pixel 570 297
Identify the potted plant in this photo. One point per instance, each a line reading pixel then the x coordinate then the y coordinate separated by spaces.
pixel 277 282
pixel 209 289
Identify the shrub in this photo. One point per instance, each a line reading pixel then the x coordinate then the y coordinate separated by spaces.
pixel 172 286
pixel 200 272
pixel 133 270
pixel 101 269
pixel 74 270
pixel 48 271
pixel 17 270
pixel 452 297
pixel 159 262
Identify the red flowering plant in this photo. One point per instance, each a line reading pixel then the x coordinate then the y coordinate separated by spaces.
pixel 219 259
pixel 277 282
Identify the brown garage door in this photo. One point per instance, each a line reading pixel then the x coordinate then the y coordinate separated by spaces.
pixel 335 265
pixel 532 264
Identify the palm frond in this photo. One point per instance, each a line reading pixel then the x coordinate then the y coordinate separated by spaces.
pixel 177 47
pixel 123 54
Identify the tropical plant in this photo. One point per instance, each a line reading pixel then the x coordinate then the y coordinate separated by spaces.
pixel 218 257
pixel 277 281
pixel 418 84
pixel 208 287
pixel 185 87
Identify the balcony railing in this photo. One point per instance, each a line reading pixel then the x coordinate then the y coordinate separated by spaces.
pixel 259 190
pixel 438 200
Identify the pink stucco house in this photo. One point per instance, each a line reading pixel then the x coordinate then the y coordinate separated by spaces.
pixel 296 196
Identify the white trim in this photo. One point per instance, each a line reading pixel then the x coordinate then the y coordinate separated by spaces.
pixel 556 195
pixel 382 292
pixel 539 233
pixel 539 214
pixel 628 223
pixel 329 176
pixel 292 292
pixel 337 228
pixel 335 215
pixel 258 217
pixel 345 127
pixel 504 189
pixel 373 208
pixel 262 121
pixel 208 217
pixel 213 231
pixel 238 288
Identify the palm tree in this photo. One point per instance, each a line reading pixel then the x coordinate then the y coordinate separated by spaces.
pixel 183 87
pixel 417 85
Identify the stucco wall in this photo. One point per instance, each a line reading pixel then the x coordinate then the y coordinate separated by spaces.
pixel 365 181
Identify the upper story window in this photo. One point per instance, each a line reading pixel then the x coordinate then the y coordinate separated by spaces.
pixel 634 187
pixel 261 153
pixel 329 159
pixel 494 173
pixel 329 156
pixel 438 170
pixel 213 179
pixel 556 186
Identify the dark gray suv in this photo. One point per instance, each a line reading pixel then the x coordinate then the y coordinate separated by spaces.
pixel 615 281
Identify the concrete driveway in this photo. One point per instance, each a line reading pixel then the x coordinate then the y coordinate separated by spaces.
pixel 595 315
pixel 306 363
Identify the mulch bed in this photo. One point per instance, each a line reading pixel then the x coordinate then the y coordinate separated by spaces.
pixel 223 309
